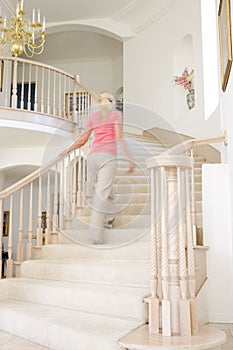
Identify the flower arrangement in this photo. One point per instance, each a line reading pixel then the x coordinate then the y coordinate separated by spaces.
pixel 185 80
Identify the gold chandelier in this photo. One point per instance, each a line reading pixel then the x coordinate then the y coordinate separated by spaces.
pixel 22 35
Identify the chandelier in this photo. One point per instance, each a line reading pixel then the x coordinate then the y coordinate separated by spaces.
pixel 20 35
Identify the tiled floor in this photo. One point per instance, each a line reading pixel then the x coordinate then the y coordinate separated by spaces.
pixel 11 342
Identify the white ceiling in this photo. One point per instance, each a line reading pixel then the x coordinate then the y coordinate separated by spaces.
pixel 80 29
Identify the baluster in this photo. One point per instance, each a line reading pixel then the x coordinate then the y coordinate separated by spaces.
pixel 6 86
pixel 185 322
pixel 48 93
pixel 14 85
pixel 62 192
pixel 55 203
pixel 79 192
pixel 84 175
pixel 36 91
pixel 39 238
pixel 154 301
pixel 190 253
pixel 166 312
pixel 69 105
pixel 59 97
pixel 20 238
pixel 64 100
pixel 29 243
pixel 42 92
pixel 193 202
pixel 74 185
pixel 68 189
pixel 48 226
pixel 54 93
pixel 1 232
pixel 74 114
pixel 22 89
pixel 9 270
pixel 29 88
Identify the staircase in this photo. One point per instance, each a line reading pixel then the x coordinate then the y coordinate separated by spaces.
pixel 78 296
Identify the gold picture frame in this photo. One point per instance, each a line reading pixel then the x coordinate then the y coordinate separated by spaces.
pixel 6 219
pixel 225 40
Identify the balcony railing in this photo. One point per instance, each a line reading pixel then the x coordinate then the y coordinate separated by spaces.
pixel 40 88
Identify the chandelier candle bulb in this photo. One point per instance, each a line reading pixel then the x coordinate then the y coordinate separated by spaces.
pixel 43 24
pixel 21 5
pixel 38 14
pixel 33 16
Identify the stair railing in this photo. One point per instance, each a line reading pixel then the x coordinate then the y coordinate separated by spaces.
pixel 172 304
pixel 40 88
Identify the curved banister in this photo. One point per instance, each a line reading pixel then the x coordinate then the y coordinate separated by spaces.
pixel 189 144
pixel 42 88
pixel 29 178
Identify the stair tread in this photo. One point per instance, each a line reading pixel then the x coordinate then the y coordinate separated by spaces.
pixel 56 327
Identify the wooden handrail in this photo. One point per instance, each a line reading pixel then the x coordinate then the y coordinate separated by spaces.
pixel 187 145
pixel 29 178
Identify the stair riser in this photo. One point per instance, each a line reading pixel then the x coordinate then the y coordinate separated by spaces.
pixel 114 273
pixel 112 237
pixel 137 251
pixel 121 221
pixel 86 299
pixel 125 209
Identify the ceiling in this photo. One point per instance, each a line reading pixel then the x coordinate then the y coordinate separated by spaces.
pixel 123 17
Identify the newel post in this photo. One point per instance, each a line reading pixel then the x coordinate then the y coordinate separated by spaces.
pixel 172 305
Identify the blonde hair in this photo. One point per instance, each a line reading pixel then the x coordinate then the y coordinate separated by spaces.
pixel 105 100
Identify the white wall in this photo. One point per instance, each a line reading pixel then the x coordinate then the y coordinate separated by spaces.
pixel 149 71
pixel 217 222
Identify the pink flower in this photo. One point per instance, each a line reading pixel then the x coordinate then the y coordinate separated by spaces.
pixel 185 79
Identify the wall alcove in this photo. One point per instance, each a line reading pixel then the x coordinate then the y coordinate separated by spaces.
pixel 183 57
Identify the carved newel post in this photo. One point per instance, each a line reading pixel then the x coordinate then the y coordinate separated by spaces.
pixel 172 305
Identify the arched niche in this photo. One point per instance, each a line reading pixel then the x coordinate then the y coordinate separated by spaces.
pixel 183 57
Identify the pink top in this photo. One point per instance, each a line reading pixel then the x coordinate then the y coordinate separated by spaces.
pixel 104 132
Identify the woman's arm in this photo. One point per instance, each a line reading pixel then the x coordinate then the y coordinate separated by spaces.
pixel 120 138
pixel 82 139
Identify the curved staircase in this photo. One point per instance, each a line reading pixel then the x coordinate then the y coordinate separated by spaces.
pixel 78 296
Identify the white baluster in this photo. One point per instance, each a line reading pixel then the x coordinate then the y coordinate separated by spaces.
pixel 193 203
pixel 54 93
pixel 48 211
pixel 9 270
pixel 166 311
pixel 39 238
pixel 20 238
pixel 29 88
pixel 74 185
pixel 14 84
pixel 36 91
pixel 185 322
pixel 30 220
pixel 55 203
pixel 59 97
pixel 154 301
pixel 62 192
pixel 22 89
pixel 190 253
pixel 6 85
pixel 42 92
pixel 48 93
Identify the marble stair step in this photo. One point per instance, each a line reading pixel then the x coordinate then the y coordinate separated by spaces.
pixel 139 250
pixel 125 209
pixel 130 179
pixel 121 221
pixel 105 299
pixel 62 329
pixel 124 187
pixel 114 272
pixel 112 237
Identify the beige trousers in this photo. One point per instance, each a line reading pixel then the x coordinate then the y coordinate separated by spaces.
pixel 102 169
